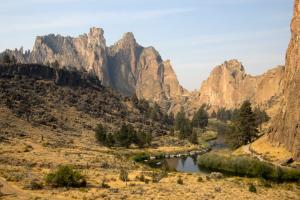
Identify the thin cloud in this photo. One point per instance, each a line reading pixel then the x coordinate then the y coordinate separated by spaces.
pixel 72 20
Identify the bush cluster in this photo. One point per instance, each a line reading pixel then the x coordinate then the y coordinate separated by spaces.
pixel 65 176
pixel 245 166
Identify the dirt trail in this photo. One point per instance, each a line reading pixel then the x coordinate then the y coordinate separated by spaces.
pixel 247 149
pixel 9 191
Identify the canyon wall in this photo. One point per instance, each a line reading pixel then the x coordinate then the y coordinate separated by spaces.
pixel 286 125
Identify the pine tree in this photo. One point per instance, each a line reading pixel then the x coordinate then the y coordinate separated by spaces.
pixel 125 136
pixel 200 119
pixel 261 117
pixel 110 140
pixel 100 133
pixel 247 126
pixel 193 138
pixel 213 115
pixel 6 59
pixel 183 125
pixel 171 118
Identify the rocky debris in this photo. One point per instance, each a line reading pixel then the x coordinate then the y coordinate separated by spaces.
pixel 285 129
pixel 287 162
pixel 218 189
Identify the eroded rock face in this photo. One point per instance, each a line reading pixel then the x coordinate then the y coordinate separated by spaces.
pixel 123 61
pixel 86 52
pixel 286 126
pixel 228 86
pixel 126 66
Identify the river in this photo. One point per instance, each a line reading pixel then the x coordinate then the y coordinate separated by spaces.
pixel 189 163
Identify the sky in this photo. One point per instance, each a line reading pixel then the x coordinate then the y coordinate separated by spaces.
pixel 196 35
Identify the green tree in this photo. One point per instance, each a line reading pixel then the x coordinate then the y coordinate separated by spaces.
pixel 100 134
pixel 66 176
pixel 141 139
pixel 110 140
pixel 261 117
pixel 200 118
pixel 155 112
pixel 213 115
pixel 171 118
pixel 13 60
pixel 125 136
pixel 183 125
pixel 246 124
pixel 6 59
pixel 193 138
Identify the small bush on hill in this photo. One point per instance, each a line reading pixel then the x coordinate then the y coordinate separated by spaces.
pixel 180 181
pixel 252 188
pixel 65 176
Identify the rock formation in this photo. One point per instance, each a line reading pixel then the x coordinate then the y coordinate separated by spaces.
pixel 126 66
pixel 286 125
pixel 86 52
pixel 228 86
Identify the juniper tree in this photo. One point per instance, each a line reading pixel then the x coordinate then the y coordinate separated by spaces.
pixel 246 123
pixel 200 119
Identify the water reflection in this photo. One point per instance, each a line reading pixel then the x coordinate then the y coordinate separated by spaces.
pixel 187 164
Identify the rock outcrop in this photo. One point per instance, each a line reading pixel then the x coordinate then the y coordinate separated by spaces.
pixel 126 66
pixel 229 85
pixel 286 125
pixel 86 52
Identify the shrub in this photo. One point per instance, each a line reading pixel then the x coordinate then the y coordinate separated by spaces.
pixel 65 176
pixel 100 134
pixel 180 181
pixel 245 166
pixel 200 179
pixel 123 175
pixel 252 188
pixel 104 184
pixel 36 185
pixel 141 157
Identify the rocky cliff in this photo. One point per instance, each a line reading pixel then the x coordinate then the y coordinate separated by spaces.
pixel 229 85
pixel 286 125
pixel 126 66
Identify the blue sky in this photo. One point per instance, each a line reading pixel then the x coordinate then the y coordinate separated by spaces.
pixel 196 35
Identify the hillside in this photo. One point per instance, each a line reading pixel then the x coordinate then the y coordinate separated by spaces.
pixel 47 117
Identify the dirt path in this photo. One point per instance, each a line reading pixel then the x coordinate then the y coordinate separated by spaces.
pixel 247 149
pixel 9 191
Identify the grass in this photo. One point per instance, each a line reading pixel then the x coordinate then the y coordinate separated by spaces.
pixel 245 166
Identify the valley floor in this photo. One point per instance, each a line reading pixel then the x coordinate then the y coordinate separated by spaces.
pixel 28 153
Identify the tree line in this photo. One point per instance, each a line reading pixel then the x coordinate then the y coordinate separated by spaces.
pixel 124 137
pixel 242 124
pixel 153 111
